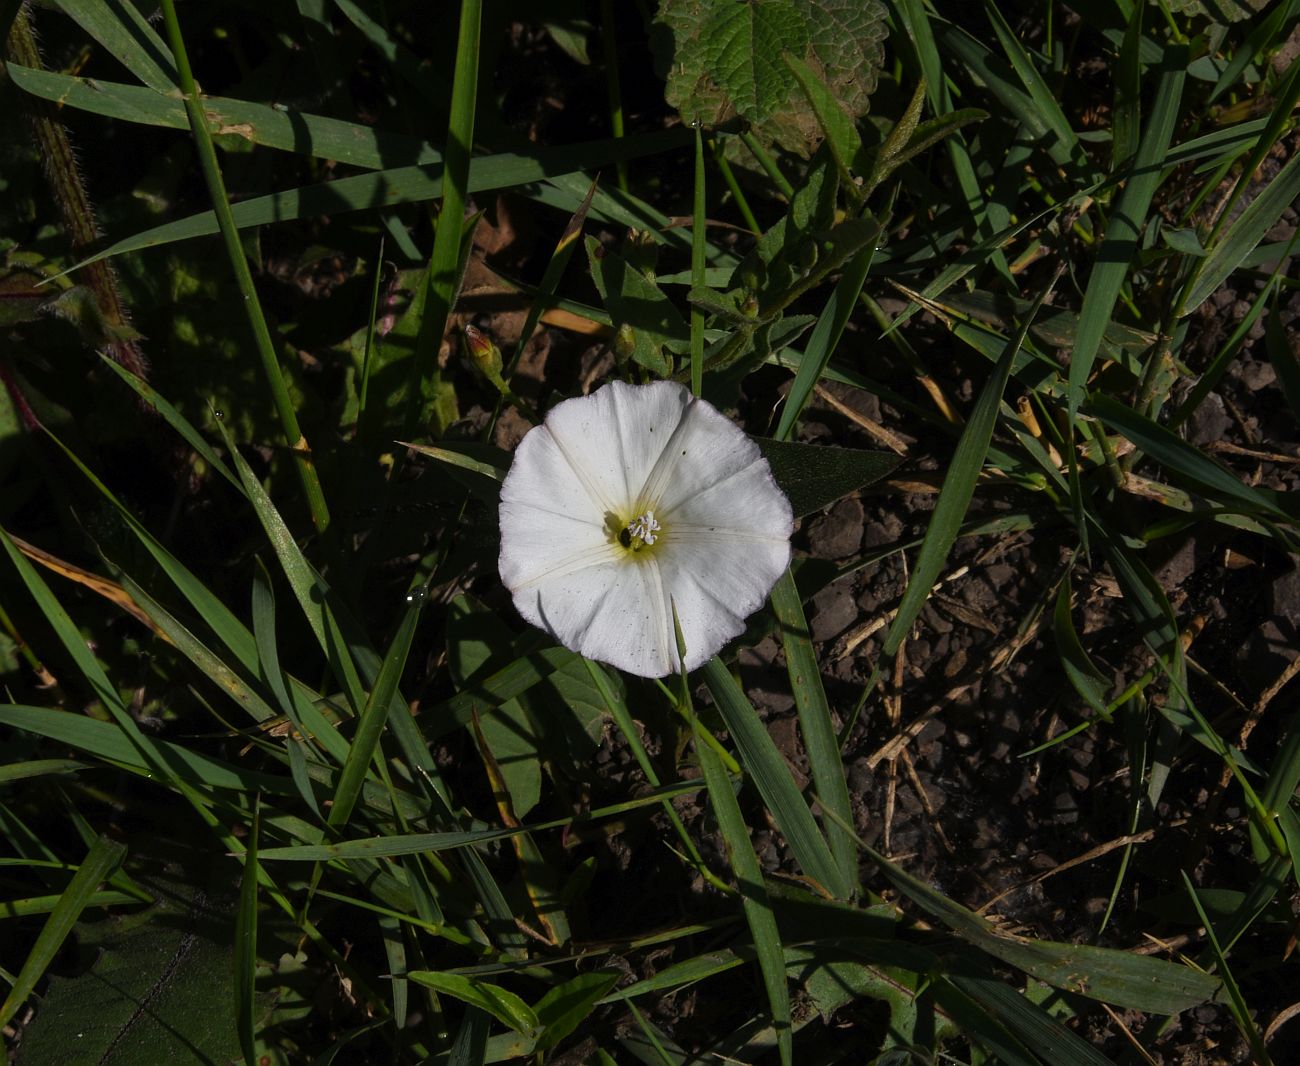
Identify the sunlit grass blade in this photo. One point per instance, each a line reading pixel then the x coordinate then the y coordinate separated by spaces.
pixel 1110 267
pixel 748 873
pixel 104 857
pixel 958 486
pixel 106 741
pixel 1191 464
pixel 265 346
pixel 365 742
pixel 1244 234
pixel 825 336
pixel 771 777
pixel 816 725
pixel 401 185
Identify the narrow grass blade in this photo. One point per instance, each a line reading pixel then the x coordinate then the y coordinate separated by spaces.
pixel 748 873
pixel 1244 234
pixel 298 132
pixel 958 486
pixel 1138 982
pixel 816 725
pixel 1237 1002
pixel 365 742
pixel 699 249
pixel 505 1006
pixel 770 775
pixel 399 185
pixel 442 281
pixel 127 36
pixel 1192 465
pixel 246 943
pixel 106 741
pixel 104 857
pixel 1110 267
pixel 825 336
pixel 262 341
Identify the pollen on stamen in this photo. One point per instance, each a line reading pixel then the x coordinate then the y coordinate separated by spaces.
pixel 644 527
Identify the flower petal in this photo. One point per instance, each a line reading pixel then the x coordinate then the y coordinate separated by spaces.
pixel 612 612
pixel 717 579
pixel 613 438
pixel 706 448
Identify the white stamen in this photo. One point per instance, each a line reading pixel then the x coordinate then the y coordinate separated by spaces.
pixel 644 527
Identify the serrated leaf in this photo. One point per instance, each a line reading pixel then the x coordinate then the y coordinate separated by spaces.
pixel 724 60
pixel 813 476
pixel 635 301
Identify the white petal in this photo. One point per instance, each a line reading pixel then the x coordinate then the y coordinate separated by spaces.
pixel 542 545
pixel 746 503
pixel 613 438
pixel 542 478
pixel 717 579
pixel 613 612
pixel 706 448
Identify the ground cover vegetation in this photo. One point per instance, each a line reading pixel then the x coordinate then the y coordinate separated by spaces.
pixel 1004 770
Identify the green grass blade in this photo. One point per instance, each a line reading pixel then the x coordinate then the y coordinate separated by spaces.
pixel 104 857
pixel 816 725
pixel 958 486
pixel 400 185
pixel 1110 268
pixel 211 168
pixel 1244 234
pixel 127 36
pixel 1138 982
pixel 442 281
pixel 1236 1001
pixel 753 895
pixel 699 250
pixel 770 775
pixel 106 741
pixel 288 130
pixel 825 336
pixel 365 742
pixel 1191 464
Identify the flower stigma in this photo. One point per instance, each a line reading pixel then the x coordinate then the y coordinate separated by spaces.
pixel 642 531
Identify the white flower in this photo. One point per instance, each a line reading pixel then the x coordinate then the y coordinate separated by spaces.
pixel 629 501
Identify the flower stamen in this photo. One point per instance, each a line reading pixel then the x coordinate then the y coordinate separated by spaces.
pixel 642 530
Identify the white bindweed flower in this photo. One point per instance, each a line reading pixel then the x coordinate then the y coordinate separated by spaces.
pixel 631 500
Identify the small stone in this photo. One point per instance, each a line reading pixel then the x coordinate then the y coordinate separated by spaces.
pixel 1209 422
pixel 837 534
pixel 836 611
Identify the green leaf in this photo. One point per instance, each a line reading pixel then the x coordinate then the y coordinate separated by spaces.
pixel 1110 267
pixel 567 1005
pixel 814 476
pixel 159 991
pixel 501 1003
pixel 816 724
pixel 958 487
pixel 722 60
pixel 290 131
pixel 127 36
